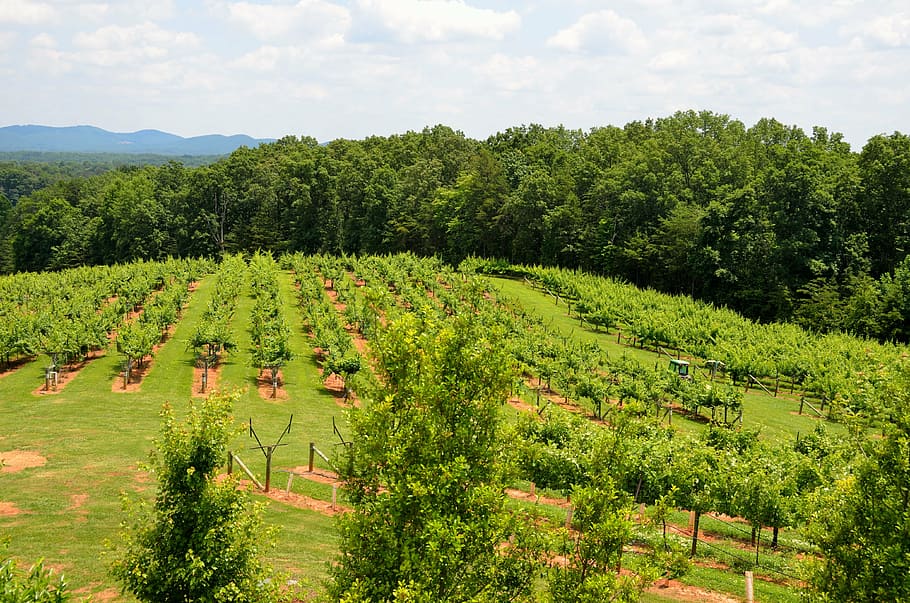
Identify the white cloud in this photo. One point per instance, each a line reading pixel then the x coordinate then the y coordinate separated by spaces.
pixel 43 40
pixel 26 12
pixel 7 39
pixel 892 31
pixel 93 11
pixel 307 18
pixel 738 33
pixel 439 20
pixel 118 45
pixel 512 73
pixel 264 58
pixel 670 60
pixel 601 30
pixel 44 57
pixel 148 10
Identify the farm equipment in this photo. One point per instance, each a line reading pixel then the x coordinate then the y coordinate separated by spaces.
pixel 680 368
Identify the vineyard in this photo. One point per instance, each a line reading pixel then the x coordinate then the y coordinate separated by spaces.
pixel 555 409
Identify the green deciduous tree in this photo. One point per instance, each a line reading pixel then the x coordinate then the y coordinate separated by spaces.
pixel 201 540
pixel 861 524
pixel 593 552
pixel 425 477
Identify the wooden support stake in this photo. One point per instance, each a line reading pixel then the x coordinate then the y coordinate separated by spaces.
pixel 312 455
pixel 248 472
pixel 532 488
pixel 750 594
pixel 691 520
pixel 569 518
pixel 230 462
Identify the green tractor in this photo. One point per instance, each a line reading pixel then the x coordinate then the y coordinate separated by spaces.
pixel 680 368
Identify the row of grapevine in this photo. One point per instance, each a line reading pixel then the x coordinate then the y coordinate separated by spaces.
pixel 66 315
pixel 213 332
pixel 270 332
pixel 839 369
pixel 332 341
pixel 136 339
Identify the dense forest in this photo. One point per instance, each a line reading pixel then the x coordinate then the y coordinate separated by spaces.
pixel 769 220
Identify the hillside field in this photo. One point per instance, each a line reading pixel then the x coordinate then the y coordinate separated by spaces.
pixel 70 454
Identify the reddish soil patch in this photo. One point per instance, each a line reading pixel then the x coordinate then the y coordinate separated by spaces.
pixel 522 495
pixel 266 391
pixel 17 460
pixel 678 591
pixel 67 373
pixel 333 295
pixel 8 509
pixel 361 345
pixel 136 377
pixel 213 377
pixel 519 404
pixel 335 385
pixel 76 501
pixel 305 502
pixel 323 476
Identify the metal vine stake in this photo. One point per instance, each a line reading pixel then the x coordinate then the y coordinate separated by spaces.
pixel 269 449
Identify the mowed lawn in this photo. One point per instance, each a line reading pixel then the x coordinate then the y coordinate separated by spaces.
pixel 92 441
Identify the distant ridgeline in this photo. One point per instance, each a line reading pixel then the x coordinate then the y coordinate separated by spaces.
pixel 89 139
pixel 769 220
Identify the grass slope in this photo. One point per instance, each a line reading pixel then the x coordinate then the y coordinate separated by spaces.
pixel 776 417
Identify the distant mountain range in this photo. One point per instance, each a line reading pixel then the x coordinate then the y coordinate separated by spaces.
pixel 89 139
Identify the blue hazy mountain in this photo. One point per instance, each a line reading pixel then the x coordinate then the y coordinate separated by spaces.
pixel 89 139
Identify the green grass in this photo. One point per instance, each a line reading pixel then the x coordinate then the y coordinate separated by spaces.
pixel 774 416
pixel 94 439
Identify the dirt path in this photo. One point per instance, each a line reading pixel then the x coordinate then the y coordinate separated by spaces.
pixel 677 591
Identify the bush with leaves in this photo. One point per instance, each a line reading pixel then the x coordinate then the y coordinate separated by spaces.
pixel 37 585
pixel 593 550
pixel 861 524
pixel 202 539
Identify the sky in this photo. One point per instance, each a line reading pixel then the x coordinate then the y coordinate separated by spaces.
pixel 354 68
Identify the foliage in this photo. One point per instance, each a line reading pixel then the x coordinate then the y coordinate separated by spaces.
pixel 202 539
pixel 860 524
pixel 769 220
pixel 594 550
pixel 424 474
pixel 37 585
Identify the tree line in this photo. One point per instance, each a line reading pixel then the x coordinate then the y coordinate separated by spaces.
pixel 769 220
